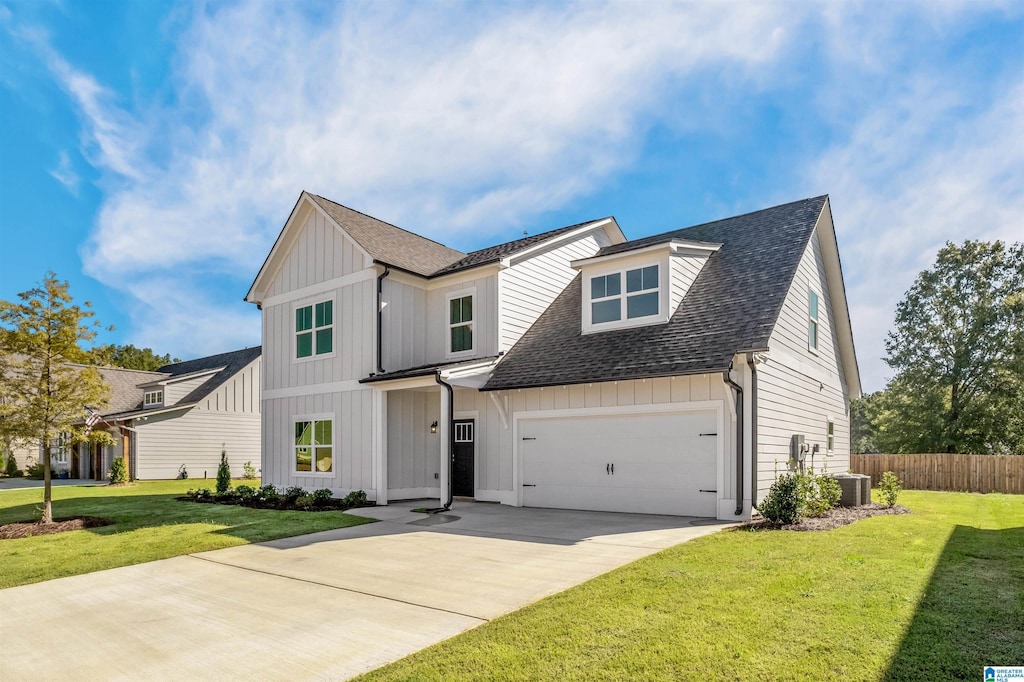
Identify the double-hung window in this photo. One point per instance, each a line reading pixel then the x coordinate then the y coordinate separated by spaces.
pixel 314 446
pixel 153 398
pixel 460 324
pixel 812 320
pixel 314 329
pixel 61 446
pixel 641 299
pixel 830 437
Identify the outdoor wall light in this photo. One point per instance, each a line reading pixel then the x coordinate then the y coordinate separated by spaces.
pixel 433 427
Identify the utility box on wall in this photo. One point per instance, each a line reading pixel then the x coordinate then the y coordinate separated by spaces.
pixel 797 449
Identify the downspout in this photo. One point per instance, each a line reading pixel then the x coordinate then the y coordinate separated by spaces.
pixel 451 442
pixel 739 438
pixel 380 318
pixel 753 429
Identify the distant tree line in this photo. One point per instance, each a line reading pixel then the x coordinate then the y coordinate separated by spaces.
pixel 957 350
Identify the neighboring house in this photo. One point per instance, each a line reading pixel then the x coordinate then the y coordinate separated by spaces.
pixel 181 415
pixel 570 369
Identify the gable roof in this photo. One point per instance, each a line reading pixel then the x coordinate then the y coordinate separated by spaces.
pixel 732 306
pixel 129 401
pixel 399 248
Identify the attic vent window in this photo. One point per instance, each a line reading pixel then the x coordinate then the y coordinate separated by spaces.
pixel 314 329
pixel 812 323
pixel 153 398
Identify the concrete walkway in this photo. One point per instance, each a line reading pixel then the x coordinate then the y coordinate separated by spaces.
pixel 325 606
pixel 23 483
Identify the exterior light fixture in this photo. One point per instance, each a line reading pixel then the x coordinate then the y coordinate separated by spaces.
pixel 433 427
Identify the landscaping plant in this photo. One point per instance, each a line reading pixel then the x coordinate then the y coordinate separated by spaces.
pixel 223 474
pixel 891 487
pixel 783 504
pixel 118 471
pixel 248 471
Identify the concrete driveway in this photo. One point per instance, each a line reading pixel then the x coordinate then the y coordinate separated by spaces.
pixel 325 606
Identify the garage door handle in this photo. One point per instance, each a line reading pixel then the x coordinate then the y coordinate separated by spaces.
pixel 528 438
pixel 709 491
pixel 708 434
pixel 529 485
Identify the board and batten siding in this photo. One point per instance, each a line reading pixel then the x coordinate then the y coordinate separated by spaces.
pixel 351 413
pixel 414 454
pixel 494 446
pixel 528 287
pixel 227 419
pixel 799 390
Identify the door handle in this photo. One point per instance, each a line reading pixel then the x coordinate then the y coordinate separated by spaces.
pixel 607 469
pixel 528 438
pixel 529 485
pixel 613 468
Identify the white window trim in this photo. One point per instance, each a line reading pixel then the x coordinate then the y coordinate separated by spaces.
pixel 305 303
pixel 321 417
pixel 60 447
pixel 473 324
pixel 624 322
pixel 830 449
pixel 816 321
pixel 157 401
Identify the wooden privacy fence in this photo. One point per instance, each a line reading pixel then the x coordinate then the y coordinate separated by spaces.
pixel 971 473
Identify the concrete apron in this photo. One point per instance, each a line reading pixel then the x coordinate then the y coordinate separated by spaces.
pixel 329 605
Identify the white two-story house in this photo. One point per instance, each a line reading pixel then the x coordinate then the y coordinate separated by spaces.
pixel 672 374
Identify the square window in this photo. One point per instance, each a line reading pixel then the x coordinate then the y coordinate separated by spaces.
pixel 324 313
pixel 324 340
pixel 314 329
pixel 304 345
pixel 303 318
pixel 314 446
pixel 605 311
pixel 642 305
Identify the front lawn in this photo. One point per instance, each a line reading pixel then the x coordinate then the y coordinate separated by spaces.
pixel 936 594
pixel 149 524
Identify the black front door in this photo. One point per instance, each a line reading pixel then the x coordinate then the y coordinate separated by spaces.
pixel 463 483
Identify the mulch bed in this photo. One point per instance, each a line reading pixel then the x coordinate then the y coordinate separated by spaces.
pixel 26 530
pixel 840 516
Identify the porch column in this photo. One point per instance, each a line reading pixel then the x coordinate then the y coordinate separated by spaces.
pixel 380 445
pixel 444 423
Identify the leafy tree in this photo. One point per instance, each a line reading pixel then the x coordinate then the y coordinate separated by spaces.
pixel 862 428
pixel 42 392
pixel 958 352
pixel 130 357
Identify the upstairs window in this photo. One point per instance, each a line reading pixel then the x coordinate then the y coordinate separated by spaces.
pixel 314 446
pixel 314 329
pixel 830 437
pixel 812 323
pixel 460 323
pixel 641 298
pixel 153 398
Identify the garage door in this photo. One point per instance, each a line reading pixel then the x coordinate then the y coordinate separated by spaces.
pixel 650 464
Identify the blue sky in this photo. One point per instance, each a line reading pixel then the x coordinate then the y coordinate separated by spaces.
pixel 150 152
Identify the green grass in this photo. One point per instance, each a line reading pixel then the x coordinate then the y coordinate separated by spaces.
pixel 149 524
pixel 933 595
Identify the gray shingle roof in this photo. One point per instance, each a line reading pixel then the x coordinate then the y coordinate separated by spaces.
pixel 125 391
pixel 390 244
pixel 732 306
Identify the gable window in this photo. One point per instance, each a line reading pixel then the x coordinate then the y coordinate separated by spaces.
pixel 314 329
pixel 830 436
pixel 153 398
pixel 812 320
pixel 314 446
pixel 460 323
pixel 641 299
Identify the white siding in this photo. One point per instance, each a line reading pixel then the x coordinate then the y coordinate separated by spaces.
pixel 353 437
pixel 405 326
pixel 485 318
pixel 228 419
pixel 178 390
pixel 684 270
pixel 527 288
pixel 414 454
pixel 798 390
pixel 318 252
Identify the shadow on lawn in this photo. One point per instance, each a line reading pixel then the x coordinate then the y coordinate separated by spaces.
pixel 972 612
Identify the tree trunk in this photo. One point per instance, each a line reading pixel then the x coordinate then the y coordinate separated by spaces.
pixel 47 504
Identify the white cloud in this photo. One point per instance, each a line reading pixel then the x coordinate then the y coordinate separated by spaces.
pixel 65 173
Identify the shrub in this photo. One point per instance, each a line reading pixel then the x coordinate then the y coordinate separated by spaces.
pixel 356 498
pixel 35 470
pixel 783 504
pixel 118 471
pixel 246 493
pixel 304 502
pixel 223 473
pixel 321 497
pixel 819 493
pixel 293 493
pixel 891 488
pixel 200 495
pixel 229 496
pixel 248 471
pixel 268 494
pixel 12 467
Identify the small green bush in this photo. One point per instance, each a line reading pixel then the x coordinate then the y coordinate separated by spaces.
pixel 248 471
pixel 200 494
pixel 36 470
pixel 246 493
pixel 223 473
pixel 356 498
pixel 891 487
pixel 292 493
pixel 819 493
pixel 12 467
pixel 118 471
pixel 321 497
pixel 268 494
pixel 783 504
pixel 304 502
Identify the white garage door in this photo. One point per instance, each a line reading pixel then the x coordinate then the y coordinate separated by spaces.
pixel 650 464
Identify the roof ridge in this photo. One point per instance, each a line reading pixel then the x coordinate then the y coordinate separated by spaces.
pixel 367 215
pixel 541 234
